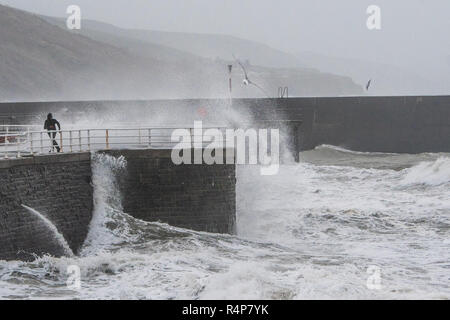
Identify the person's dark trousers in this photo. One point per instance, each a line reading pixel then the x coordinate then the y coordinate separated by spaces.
pixel 52 136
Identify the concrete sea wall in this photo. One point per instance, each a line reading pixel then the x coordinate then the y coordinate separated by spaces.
pixel 199 197
pixel 376 124
pixel 58 186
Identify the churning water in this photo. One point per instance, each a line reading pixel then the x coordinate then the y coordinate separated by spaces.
pixel 312 231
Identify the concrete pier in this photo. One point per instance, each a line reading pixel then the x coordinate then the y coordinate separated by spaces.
pixel 57 186
pixel 199 197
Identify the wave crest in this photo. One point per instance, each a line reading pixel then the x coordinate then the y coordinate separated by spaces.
pixel 432 173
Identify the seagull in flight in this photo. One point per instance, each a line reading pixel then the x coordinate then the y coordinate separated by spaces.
pixel 246 80
pixel 368 84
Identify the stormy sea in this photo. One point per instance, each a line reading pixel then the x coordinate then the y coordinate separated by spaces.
pixel 338 225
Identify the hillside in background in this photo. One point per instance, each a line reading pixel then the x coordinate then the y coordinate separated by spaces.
pixel 386 79
pixel 211 46
pixel 42 61
pixel 45 61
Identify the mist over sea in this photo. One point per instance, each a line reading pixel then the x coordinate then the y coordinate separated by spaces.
pixel 310 232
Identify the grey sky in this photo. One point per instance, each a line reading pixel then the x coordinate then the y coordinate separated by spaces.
pixel 413 31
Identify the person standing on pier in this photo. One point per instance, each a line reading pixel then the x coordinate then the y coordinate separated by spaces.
pixel 50 125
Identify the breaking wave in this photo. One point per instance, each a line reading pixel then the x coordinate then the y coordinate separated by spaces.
pixel 107 227
pixel 431 173
pixel 344 150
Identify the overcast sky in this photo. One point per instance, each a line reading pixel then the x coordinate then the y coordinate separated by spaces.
pixel 413 31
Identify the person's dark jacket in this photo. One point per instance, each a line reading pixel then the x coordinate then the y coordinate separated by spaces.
pixel 50 125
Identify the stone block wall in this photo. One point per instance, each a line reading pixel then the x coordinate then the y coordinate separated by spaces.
pixel 58 187
pixel 199 197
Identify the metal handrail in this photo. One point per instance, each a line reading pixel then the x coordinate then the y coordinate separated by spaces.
pixel 17 128
pixel 18 144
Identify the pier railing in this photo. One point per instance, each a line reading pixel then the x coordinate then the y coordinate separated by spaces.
pixel 19 141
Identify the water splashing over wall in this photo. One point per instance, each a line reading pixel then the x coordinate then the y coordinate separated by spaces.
pixel 107 223
pixel 58 236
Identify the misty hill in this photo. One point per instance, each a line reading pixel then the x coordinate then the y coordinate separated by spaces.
pixel 387 79
pixel 117 37
pixel 211 46
pixel 172 45
pixel 44 61
pixel 40 60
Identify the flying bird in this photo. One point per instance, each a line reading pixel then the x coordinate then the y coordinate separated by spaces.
pixel 368 84
pixel 246 80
